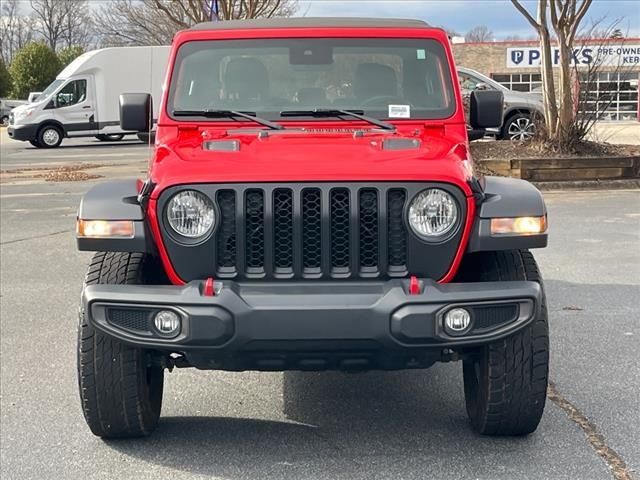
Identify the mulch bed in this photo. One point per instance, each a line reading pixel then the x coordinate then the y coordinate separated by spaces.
pixel 507 150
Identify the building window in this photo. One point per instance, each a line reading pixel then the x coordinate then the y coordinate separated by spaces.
pixel 520 82
pixel 613 96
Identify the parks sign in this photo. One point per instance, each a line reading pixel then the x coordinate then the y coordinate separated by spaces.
pixel 608 55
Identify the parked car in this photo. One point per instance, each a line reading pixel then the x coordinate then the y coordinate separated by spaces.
pixel 83 100
pixel 6 106
pixel 311 205
pixel 522 110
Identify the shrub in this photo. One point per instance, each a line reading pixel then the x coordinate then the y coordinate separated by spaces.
pixel 69 54
pixel 33 68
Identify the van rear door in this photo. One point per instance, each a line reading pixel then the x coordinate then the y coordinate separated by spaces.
pixel 74 107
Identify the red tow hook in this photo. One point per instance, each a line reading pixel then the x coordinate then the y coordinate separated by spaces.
pixel 209 290
pixel 414 286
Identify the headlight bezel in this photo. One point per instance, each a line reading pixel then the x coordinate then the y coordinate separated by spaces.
pixel 446 235
pixel 179 237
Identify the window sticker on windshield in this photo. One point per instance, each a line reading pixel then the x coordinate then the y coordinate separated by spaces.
pixel 399 111
pixel 421 54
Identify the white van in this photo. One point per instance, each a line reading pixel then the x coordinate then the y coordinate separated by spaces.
pixel 83 101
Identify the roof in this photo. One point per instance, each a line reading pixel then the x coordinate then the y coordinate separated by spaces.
pixel 311 22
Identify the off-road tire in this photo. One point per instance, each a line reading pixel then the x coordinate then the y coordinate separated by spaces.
pixel 121 394
pixel 505 382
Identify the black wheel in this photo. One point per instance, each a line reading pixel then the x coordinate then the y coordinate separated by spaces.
pixel 34 143
pixel 147 137
pixel 4 121
pixel 113 137
pixel 519 127
pixel 505 382
pixel 121 393
pixel 49 136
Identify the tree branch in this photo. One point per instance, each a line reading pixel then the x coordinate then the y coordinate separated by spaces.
pixel 525 13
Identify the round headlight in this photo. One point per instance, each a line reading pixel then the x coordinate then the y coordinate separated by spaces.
pixel 191 214
pixel 433 213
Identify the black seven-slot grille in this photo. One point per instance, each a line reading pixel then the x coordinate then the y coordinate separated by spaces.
pixel 285 234
pixel 310 231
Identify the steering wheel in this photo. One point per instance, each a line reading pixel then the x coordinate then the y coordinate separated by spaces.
pixel 383 101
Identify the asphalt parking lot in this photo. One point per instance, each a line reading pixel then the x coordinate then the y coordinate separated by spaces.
pixel 399 425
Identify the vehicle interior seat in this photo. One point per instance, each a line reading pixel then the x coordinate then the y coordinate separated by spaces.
pixel 245 82
pixel 374 80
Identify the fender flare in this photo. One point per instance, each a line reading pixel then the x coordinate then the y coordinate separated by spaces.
pixel 115 200
pixel 507 197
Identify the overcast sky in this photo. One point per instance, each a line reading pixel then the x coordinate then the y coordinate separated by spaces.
pixel 462 15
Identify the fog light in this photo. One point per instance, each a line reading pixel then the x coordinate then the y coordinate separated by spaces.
pixel 167 323
pixel 457 320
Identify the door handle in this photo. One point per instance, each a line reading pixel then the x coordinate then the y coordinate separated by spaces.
pixel 86 106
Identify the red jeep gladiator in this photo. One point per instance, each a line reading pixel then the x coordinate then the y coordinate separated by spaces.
pixel 311 204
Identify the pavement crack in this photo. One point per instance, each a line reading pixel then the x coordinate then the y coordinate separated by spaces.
pixel 44 235
pixel 614 461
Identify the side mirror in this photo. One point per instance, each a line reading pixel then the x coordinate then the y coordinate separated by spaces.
pixel 135 112
pixel 485 110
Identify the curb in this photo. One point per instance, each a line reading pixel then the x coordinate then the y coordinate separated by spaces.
pixel 623 184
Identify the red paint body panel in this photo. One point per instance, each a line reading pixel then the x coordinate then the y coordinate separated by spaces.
pixel 310 156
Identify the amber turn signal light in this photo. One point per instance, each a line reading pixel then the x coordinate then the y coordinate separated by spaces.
pixel 104 228
pixel 518 225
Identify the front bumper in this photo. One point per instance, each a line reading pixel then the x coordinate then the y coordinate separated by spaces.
pixel 319 325
pixel 22 132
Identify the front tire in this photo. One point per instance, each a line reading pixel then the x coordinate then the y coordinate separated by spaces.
pixel 520 127
pixel 49 136
pixel 120 390
pixel 505 382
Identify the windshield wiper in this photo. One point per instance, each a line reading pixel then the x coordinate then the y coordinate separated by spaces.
pixel 227 114
pixel 332 112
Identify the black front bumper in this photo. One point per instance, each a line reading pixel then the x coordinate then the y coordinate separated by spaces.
pixel 23 132
pixel 319 325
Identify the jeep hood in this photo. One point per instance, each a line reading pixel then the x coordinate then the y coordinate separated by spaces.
pixel 436 154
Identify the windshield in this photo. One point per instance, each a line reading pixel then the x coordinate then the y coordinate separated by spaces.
pixel 383 78
pixel 50 89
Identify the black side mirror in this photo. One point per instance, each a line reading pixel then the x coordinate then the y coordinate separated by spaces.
pixel 485 110
pixel 135 112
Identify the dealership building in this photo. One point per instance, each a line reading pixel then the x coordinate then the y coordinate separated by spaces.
pixel 613 85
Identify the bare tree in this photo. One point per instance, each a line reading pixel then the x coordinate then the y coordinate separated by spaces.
pixel 16 29
pixel 62 23
pixel 154 22
pixel 478 34
pixel 564 18
pixel 79 26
